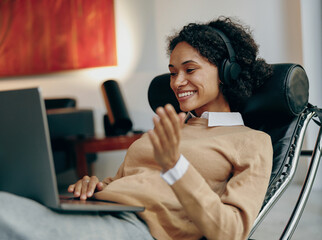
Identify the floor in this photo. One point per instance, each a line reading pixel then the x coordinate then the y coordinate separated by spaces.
pixel 309 226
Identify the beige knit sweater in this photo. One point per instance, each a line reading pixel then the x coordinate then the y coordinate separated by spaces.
pixel 218 197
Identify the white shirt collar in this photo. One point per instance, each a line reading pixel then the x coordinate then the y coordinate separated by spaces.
pixel 216 119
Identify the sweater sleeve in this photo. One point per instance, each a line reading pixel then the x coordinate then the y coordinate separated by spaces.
pixel 118 175
pixel 230 215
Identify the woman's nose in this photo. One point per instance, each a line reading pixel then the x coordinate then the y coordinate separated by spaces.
pixel 179 81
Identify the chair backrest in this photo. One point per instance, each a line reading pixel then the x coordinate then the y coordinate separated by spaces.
pixel 274 108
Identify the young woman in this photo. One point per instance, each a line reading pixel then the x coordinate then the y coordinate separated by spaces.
pixel 201 174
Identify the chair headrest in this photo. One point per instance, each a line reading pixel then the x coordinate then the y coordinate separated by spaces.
pixel 160 93
pixel 285 93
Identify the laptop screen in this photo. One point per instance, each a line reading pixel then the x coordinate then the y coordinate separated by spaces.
pixel 26 162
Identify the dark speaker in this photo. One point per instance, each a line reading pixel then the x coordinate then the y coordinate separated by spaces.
pixel 117 121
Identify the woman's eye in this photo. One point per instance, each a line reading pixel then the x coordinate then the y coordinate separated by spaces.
pixel 173 74
pixel 190 70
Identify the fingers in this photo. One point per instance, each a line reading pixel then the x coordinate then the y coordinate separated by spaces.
pixel 182 117
pixel 155 142
pixel 85 187
pixel 99 186
pixel 174 118
pixel 160 131
pixel 165 137
pixel 71 188
pixel 168 126
pixel 92 186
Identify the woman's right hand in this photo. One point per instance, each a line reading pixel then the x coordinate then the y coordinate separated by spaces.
pixel 85 187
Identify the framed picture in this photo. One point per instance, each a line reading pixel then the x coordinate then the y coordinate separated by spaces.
pixel 44 36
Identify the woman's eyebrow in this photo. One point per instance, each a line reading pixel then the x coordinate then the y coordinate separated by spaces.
pixel 185 62
pixel 188 61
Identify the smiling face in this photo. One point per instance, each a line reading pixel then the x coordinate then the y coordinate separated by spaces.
pixel 195 81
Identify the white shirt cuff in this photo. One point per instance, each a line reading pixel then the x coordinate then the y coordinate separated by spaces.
pixel 175 173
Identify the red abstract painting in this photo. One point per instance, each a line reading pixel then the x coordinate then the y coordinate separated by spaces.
pixel 43 36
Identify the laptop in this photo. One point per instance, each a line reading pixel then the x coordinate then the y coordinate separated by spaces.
pixel 26 159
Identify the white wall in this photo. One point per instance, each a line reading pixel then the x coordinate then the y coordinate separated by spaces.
pixel 275 23
pixel 311 12
pixel 142 28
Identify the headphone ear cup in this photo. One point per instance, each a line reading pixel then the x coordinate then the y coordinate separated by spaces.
pixel 222 72
pixel 234 71
pixel 225 72
pixel 229 72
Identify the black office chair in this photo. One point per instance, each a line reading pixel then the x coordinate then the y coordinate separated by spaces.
pixel 280 108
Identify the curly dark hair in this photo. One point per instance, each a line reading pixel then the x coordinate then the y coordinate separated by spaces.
pixel 210 45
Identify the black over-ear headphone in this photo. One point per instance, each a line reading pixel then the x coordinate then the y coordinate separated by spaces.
pixel 229 70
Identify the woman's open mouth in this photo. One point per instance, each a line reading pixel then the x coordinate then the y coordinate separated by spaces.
pixel 185 95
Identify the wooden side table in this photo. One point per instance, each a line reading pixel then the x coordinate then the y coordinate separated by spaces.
pixel 94 145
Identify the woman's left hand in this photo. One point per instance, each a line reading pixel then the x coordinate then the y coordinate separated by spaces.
pixel 165 137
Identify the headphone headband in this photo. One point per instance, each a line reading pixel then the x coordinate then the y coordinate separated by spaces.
pixel 229 70
pixel 231 52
